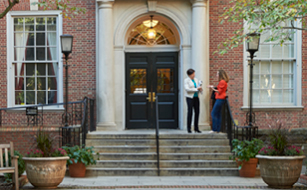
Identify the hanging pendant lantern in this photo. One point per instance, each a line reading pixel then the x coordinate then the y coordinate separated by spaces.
pixel 151 33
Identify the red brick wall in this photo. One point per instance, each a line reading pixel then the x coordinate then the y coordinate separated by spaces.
pixel 82 71
pixel 232 62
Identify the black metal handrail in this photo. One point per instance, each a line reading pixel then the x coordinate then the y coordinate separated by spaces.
pixel 157 135
pixel 230 127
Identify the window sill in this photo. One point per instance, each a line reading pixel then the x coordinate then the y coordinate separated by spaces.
pixel 274 108
pixel 46 109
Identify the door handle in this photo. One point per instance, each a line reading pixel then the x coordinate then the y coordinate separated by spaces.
pixel 153 97
pixel 149 98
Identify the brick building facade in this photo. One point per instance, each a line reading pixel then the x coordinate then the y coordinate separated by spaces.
pixel 109 40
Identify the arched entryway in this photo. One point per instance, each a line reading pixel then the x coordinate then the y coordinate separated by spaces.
pixel 151 69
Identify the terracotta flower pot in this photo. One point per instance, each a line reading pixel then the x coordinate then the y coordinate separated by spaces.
pixel 77 170
pixel 280 172
pixel 46 173
pixel 248 168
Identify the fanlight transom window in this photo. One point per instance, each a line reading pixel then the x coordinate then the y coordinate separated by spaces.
pixel 141 34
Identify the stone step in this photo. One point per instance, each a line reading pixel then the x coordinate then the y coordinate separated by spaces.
pixel 152 142
pixel 163 149
pixel 163 156
pixel 106 136
pixel 163 172
pixel 164 164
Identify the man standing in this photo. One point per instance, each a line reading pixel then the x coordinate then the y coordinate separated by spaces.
pixel 192 88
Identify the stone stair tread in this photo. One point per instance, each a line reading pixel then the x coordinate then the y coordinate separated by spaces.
pixel 151 146
pixel 152 136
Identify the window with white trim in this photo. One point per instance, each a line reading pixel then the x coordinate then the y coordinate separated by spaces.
pixel 35 59
pixel 276 76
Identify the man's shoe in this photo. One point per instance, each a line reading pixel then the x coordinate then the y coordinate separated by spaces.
pixel 189 131
pixel 198 131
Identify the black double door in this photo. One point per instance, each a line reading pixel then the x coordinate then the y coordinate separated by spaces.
pixel 149 75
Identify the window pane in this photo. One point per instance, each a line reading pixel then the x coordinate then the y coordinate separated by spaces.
pixel 51 39
pixel 165 80
pixel 40 24
pixel 18 24
pixel 265 81
pixel 264 51
pixel 52 53
pixel 30 97
pixel 288 51
pixel 41 69
pixel 29 24
pixel 29 39
pixel 51 24
pixel 288 96
pixel 276 67
pixel 52 69
pixel 40 54
pixel 265 67
pixel 19 40
pixel 29 54
pixel 256 81
pixel 265 96
pixel 138 83
pixel 276 96
pixel 19 83
pixel 41 83
pixel 287 67
pixel 30 83
pixel 256 96
pixel 288 81
pixel 19 98
pixel 19 69
pixel 276 51
pixel 52 97
pixel 19 54
pixel 277 81
pixel 30 69
pixel 52 83
pixel 41 97
pixel 40 39
pixel 256 67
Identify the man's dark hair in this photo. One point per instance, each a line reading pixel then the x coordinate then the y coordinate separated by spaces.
pixel 190 71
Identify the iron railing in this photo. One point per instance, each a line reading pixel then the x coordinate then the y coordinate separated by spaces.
pixel 230 127
pixel 80 117
pixel 157 135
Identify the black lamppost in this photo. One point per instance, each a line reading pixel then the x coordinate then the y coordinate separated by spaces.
pixel 66 44
pixel 252 46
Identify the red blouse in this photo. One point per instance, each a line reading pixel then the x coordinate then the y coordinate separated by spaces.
pixel 221 87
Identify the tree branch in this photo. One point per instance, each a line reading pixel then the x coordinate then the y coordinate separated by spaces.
pixel 11 5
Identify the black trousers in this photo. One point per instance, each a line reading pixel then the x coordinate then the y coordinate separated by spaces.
pixel 193 104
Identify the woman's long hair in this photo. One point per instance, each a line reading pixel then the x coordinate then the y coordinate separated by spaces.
pixel 223 75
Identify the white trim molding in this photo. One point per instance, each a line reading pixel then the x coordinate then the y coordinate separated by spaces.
pixel 10 53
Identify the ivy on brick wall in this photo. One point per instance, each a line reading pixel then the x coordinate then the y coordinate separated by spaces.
pixel 277 20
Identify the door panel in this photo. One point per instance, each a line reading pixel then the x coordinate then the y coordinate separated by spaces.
pixel 151 73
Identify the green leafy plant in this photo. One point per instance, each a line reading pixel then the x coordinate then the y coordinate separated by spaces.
pixel 81 155
pixel 245 150
pixel 44 146
pixel 21 165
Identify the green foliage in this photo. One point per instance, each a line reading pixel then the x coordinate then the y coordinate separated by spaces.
pixel 67 10
pixel 82 155
pixel 244 150
pixel 278 20
pixel 21 165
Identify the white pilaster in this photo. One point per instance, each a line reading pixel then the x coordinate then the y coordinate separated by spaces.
pixel 200 55
pixel 105 75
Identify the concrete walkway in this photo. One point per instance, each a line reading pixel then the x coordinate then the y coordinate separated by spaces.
pixel 165 183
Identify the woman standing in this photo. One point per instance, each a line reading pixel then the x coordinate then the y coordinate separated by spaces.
pixel 220 96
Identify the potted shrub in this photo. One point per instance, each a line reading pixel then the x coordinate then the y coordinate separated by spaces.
pixel 79 159
pixel 280 162
pixel 245 155
pixel 45 165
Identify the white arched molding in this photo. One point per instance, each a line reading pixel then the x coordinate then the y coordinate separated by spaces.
pixel 134 12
